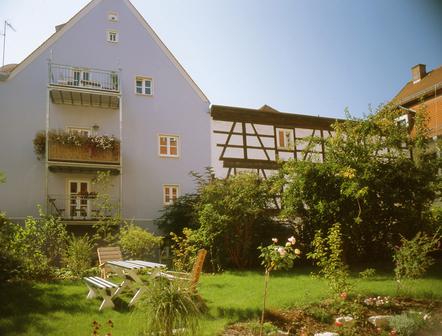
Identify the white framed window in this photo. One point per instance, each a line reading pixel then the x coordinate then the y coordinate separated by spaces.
pixel 86 131
pixel 143 86
pixel 112 36
pixel 170 193
pixel 168 145
pixel 403 120
pixel 285 138
pixel 112 16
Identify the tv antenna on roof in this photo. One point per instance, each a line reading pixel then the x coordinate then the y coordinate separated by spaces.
pixel 4 38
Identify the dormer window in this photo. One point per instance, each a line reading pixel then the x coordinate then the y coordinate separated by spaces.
pixel 112 17
pixel 112 36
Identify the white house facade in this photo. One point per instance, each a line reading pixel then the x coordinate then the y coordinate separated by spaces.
pixel 106 77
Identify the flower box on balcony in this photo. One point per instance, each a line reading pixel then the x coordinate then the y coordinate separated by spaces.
pixel 84 153
pixel 69 147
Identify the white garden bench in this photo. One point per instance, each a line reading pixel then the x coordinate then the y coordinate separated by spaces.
pixel 101 287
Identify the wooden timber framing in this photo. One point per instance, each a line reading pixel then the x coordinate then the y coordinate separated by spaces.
pixel 249 139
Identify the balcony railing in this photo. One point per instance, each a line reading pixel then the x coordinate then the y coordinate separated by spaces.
pixel 79 207
pixel 84 78
pixel 83 153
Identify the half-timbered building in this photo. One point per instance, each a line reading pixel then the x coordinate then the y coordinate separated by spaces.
pixel 245 139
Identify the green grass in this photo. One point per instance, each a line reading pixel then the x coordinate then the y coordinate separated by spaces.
pixel 60 308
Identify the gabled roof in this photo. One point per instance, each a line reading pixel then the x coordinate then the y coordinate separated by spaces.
pixel 413 91
pixel 279 119
pixel 267 108
pixel 61 29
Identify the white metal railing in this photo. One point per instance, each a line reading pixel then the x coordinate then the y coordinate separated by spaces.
pixel 82 206
pixel 81 77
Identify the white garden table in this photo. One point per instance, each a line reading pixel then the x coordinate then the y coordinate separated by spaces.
pixel 128 270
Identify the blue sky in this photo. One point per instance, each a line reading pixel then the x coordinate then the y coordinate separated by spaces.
pixel 309 57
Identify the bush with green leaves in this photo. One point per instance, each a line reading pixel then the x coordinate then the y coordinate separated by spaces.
pixel 179 215
pixel 41 244
pixel 184 249
pixel 234 219
pixel 78 255
pixel 10 261
pixel 108 216
pixel 137 243
pixel 367 273
pixel 407 323
pixel 412 258
pixel 171 308
pixel 328 255
pixel 367 182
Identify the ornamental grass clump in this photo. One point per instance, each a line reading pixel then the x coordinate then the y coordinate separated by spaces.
pixel 171 308
pixel 276 257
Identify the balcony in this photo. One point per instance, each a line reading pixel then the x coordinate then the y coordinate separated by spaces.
pixel 82 208
pixel 84 153
pixel 80 86
pixel 73 152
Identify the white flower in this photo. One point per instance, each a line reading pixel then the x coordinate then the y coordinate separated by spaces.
pixel 288 244
pixel 282 252
pixel 275 240
pixel 292 240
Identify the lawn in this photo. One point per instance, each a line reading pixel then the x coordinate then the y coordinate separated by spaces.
pixel 60 308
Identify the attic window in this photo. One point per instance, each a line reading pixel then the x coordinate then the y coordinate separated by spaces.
pixel 112 17
pixel 112 36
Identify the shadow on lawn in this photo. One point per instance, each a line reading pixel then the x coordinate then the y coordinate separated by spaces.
pixel 238 313
pixel 24 305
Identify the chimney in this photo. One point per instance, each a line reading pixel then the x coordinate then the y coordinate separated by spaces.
pixel 418 72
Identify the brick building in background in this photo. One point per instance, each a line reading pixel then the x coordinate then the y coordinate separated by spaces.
pixel 424 88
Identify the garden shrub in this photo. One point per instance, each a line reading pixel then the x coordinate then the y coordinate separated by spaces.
pixel 328 256
pixel 407 323
pixel 10 261
pixel 41 244
pixel 367 273
pixel 368 183
pixel 137 243
pixel 108 216
pixel 185 249
pixel 179 215
pixel 234 219
pixel 412 259
pixel 170 308
pixel 78 255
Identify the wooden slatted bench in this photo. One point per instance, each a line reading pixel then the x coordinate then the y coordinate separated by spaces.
pixel 101 287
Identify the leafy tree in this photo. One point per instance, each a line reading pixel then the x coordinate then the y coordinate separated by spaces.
pixel 234 218
pixel 377 181
pixel 183 212
pixel 179 215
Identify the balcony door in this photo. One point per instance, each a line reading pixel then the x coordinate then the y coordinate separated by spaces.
pixel 78 198
pixel 81 77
